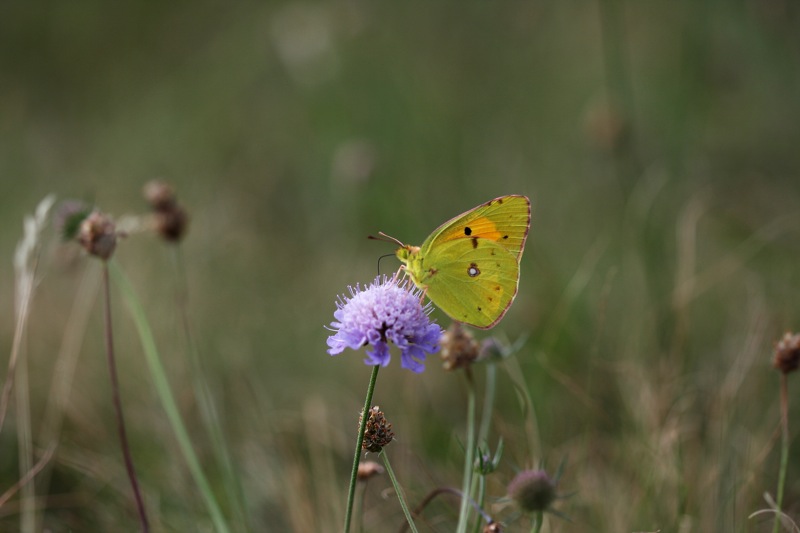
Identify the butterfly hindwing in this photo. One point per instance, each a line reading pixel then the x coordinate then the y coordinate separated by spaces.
pixel 473 285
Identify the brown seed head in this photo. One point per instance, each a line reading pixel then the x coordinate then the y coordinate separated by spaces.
pixel 787 353
pixel 378 432
pixel 97 235
pixel 170 219
pixel 160 195
pixel 459 347
pixel 368 469
pixel 492 527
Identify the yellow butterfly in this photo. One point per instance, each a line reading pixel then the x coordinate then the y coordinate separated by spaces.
pixel 469 266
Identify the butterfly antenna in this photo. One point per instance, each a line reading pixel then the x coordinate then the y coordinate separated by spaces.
pixel 385 238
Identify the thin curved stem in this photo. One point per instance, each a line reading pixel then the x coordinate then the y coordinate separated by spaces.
pixel 399 490
pixel 123 437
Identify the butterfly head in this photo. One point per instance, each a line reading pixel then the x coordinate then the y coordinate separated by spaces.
pixel 406 252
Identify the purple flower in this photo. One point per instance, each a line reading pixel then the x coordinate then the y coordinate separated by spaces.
pixel 381 313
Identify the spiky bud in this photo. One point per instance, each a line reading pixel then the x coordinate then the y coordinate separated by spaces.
pixel 532 490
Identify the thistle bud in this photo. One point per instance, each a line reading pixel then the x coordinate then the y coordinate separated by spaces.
pixel 532 490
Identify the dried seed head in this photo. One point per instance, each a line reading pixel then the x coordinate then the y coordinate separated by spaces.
pixel 368 469
pixel 533 490
pixel 170 219
pixel 787 353
pixel 159 195
pixel 492 527
pixel 98 235
pixel 378 432
pixel 459 347
pixel 172 224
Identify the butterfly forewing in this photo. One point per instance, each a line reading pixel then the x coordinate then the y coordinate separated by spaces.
pixel 504 220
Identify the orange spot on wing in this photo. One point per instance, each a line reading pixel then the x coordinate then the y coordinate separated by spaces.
pixel 482 228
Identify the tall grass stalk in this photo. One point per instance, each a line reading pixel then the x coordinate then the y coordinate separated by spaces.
pixel 66 362
pixel 26 258
pixel 784 451
pixel 351 493
pixel 204 396
pixel 469 455
pixel 167 399
pixel 399 491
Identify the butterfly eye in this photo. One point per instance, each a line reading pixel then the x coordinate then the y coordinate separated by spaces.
pixel 473 271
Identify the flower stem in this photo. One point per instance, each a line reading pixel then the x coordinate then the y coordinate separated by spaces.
pixel 483 433
pixel 469 456
pixel 784 450
pixel 538 521
pixel 112 365
pixel 359 441
pixel 399 490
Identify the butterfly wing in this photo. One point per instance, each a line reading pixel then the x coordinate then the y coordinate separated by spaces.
pixel 471 262
pixel 504 220
pixel 473 285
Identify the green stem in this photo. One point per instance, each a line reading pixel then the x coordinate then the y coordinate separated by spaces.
pixel 351 494
pixel 399 490
pixel 483 433
pixel 784 451
pixel 538 521
pixel 159 376
pixel 469 456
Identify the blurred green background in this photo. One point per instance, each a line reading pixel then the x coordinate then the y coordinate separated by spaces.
pixel 659 143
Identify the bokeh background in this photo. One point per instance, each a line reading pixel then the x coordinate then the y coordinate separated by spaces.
pixel 659 143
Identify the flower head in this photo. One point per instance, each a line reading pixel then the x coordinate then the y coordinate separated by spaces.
pixel 382 313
